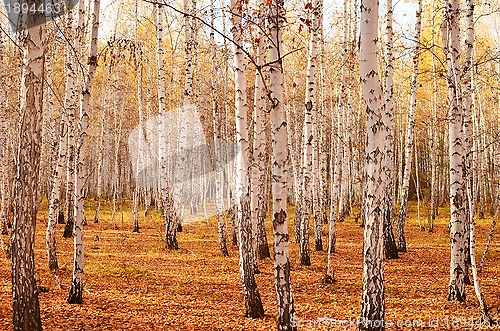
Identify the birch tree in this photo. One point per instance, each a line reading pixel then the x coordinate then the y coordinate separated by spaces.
pixel 166 197
pixel 59 170
pixel 451 44
pixel 4 160
pixel 253 304
pixel 403 210
pixel 100 157
pixel 219 189
pixel 390 249
pixel 137 54
pixel 310 113
pixel 372 304
pixel 317 118
pixel 80 174
pixel 258 184
pixel 71 104
pixel 467 122
pixel 164 194
pixel 336 162
pixel 25 307
pixel 434 158
pixel 324 203
pixel 75 292
pixel 477 287
pixel 286 308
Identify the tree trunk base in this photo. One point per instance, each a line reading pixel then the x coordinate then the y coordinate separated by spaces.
pixel 390 250
pixel 136 229
pixel 467 279
pixel 68 229
pixel 455 295
pixel 319 245
pixel 253 307
pixel 224 251
pixel 53 265
pixel 171 243
pixel 75 293
pixel 329 279
pixel 60 218
pixel 305 260
pixel 332 245
pixel 402 244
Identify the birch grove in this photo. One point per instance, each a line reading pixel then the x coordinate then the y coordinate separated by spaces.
pixel 209 140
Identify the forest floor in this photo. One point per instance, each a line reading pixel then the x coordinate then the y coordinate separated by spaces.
pixel 133 283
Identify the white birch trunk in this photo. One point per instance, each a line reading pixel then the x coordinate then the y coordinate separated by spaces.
pixel 390 249
pixel 310 113
pixel 477 286
pixel 55 194
pixel 253 304
pixel 336 165
pixel 26 308
pixel 490 235
pixel 286 309
pixel 296 168
pixel 318 243
pixel 71 104
pixel 467 120
pixel 219 153
pixel 325 148
pixel 372 305
pixel 336 162
pixel 79 43
pixel 75 293
pixel 258 184
pixel 99 172
pixel 458 239
pixel 417 185
pixel 4 164
pixel 346 146
pixel 434 130
pixel 139 106
pixel 168 204
pixel 118 119
pixel 403 210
